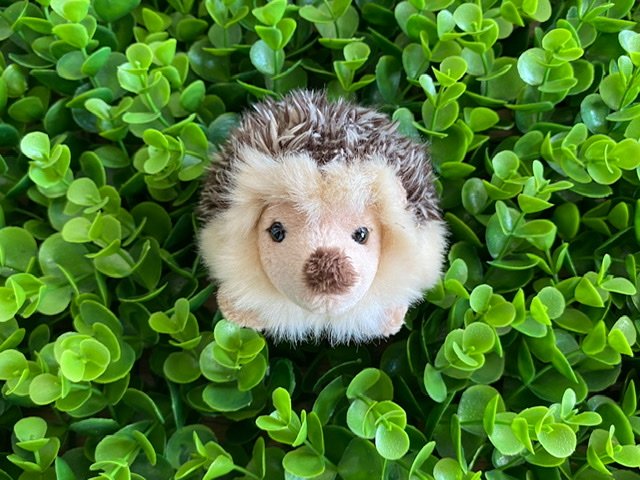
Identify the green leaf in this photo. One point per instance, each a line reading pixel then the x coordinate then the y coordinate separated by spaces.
pixel 530 204
pixel 94 62
pixel 111 10
pixel 612 89
pixel 567 218
pixel 35 145
pixel 505 165
pixel 271 36
pixel 451 70
pixel 192 96
pixel 468 17
pixel 12 364
pixel 139 118
pixel 388 77
pixel 594 112
pixel 17 249
pixel 271 13
pixel 372 383
pixel 472 406
pixel 540 233
pixel 531 66
pixel 314 432
pixel 226 398
pixel 360 461
pixel 628 455
pixel 447 468
pixel 315 15
pixel 282 403
pixel 76 230
pixel 219 467
pixel 480 118
pixel 553 300
pixel 503 436
pixel 63 470
pixel 392 442
pixel 478 338
pixel 30 428
pixel 421 458
pixel 480 297
pixel 181 367
pixel 27 109
pixel 414 61
pixel 74 34
pixel 74 10
pixel 287 27
pixel 265 59
pixel 84 192
pixel 587 294
pixel 361 419
pixel 434 383
pixel 557 439
pixel 500 315
pixel 303 462
pixel 619 285
pixel 327 400
pixel 252 373
pixel 45 388
pixel 355 54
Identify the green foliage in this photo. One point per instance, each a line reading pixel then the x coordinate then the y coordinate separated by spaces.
pixel 519 364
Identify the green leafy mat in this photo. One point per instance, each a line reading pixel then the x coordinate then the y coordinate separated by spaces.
pixel 520 364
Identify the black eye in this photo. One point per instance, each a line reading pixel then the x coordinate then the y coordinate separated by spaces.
pixel 361 235
pixel 277 232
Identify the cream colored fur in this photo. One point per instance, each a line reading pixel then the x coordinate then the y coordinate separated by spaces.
pixel 411 254
pixel 284 262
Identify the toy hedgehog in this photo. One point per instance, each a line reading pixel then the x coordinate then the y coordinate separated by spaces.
pixel 320 219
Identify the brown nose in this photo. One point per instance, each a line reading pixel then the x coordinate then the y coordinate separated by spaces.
pixel 329 271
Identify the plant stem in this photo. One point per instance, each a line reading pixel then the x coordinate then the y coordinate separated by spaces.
pixel 246 472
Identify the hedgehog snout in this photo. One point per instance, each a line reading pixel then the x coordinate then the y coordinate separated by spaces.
pixel 329 271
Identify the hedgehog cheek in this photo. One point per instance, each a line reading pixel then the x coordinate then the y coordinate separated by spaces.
pixel 279 258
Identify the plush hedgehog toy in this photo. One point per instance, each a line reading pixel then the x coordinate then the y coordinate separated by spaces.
pixel 320 219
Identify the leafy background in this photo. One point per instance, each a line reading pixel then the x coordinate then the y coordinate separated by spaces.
pixel 520 364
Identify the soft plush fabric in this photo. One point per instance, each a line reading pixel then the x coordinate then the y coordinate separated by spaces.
pixel 318 280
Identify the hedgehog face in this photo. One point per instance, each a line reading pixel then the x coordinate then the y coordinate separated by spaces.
pixel 309 250
pixel 326 263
